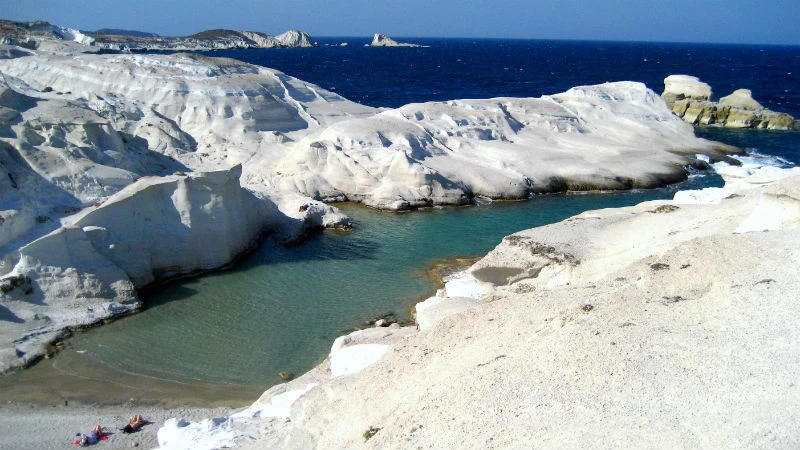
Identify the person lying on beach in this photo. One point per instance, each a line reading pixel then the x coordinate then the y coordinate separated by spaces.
pixel 134 425
pixel 93 437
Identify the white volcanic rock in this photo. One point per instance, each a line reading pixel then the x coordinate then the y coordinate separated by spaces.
pixel 155 228
pixel 611 136
pixel 741 98
pixel 669 327
pixel 295 38
pixel 382 40
pixel 680 87
pixel 691 100
pixel 80 130
pixel 44 37
pixel 57 156
pixel 162 226
pixel 205 112
pixel 31 34
pixel 262 40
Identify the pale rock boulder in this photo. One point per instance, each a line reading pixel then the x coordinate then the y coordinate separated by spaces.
pixel 692 100
pixel 741 99
pixel 261 40
pixel 683 87
pixel 295 38
pixel 160 227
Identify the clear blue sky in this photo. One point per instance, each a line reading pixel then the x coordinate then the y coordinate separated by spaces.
pixel 726 21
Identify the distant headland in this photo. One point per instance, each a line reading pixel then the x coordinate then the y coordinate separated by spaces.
pixel 31 34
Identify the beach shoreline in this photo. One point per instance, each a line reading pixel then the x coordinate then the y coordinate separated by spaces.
pixel 29 426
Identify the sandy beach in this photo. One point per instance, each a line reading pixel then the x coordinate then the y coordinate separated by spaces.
pixel 25 426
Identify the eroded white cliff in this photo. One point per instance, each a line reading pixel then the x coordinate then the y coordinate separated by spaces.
pixel 610 136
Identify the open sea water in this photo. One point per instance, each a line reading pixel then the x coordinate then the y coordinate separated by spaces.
pixel 283 307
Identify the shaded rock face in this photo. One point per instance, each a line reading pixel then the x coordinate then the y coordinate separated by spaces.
pixel 692 100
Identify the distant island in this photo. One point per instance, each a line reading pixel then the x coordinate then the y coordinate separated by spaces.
pixel 31 34
pixel 382 40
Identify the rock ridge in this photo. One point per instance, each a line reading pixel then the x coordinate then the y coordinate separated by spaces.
pixel 41 35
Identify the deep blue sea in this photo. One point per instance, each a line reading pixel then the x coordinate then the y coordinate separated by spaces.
pixel 282 308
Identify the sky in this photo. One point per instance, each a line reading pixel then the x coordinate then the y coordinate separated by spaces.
pixel 711 21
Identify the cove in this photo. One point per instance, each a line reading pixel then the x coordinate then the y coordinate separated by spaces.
pixel 225 336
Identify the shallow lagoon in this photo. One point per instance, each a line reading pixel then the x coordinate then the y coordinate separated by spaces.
pixel 282 309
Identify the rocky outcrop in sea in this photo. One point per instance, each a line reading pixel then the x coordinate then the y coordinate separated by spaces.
pixel 382 40
pixel 692 100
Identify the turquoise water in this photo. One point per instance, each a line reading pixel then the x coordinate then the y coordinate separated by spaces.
pixel 282 309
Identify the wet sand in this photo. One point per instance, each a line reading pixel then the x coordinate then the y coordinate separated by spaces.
pixel 70 377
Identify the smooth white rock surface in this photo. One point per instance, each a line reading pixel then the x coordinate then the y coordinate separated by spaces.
pixel 610 136
pixel 680 87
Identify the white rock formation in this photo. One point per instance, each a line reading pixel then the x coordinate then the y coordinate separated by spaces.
pixel 382 40
pixel 654 325
pixel 295 38
pixel 741 98
pixel 681 87
pixel 78 131
pixel 29 34
pixel 155 228
pixel 691 99
pixel 261 40
pixel 589 137
pixel 109 130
